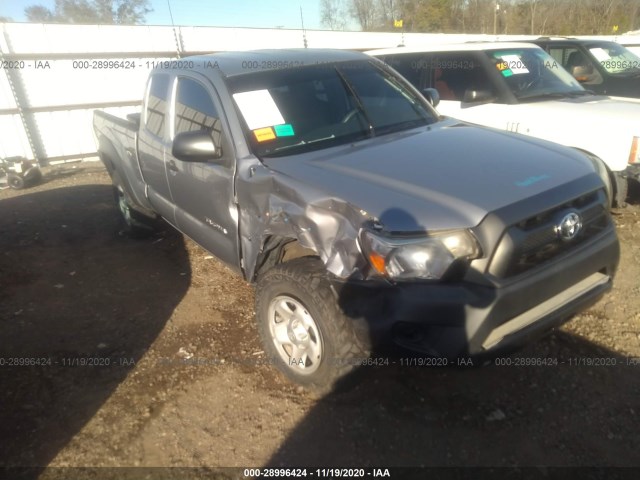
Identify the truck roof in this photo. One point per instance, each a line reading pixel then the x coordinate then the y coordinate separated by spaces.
pixel 452 47
pixel 581 41
pixel 237 63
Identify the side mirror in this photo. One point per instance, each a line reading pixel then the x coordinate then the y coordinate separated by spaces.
pixel 476 96
pixel 195 146
pixel 134 118
pixel 432 95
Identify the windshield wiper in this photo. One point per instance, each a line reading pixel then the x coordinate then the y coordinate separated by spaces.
pixel 359 103
pixel 581 93
pixel 302 143
pixel 418 122
pixel 541 96
pixel 307 142
pixel 635 72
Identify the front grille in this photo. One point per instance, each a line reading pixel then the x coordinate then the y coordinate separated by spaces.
pixel 534 241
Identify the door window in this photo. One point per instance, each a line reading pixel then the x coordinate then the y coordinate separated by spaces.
pixel 415 67
pixel 578 64
pixel 156 111
pixel 195 110
pixel 457 76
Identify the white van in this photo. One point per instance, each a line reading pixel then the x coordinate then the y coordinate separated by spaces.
pixel 520 88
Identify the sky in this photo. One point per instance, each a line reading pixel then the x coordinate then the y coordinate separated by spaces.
pixel 222 13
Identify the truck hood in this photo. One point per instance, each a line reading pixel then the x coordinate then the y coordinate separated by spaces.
pixel 446 176
pixel 590 111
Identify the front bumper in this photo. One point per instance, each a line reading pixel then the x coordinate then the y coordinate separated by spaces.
pixel 468 319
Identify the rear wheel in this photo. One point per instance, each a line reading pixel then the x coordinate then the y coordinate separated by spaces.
pixel 35 176
pixel 135 223
pixel 302 327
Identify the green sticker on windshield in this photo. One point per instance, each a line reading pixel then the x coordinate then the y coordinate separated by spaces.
pixel 285 130
pixel 506 73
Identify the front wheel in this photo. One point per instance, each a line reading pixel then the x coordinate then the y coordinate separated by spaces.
pixel 302 326
pixel 621 187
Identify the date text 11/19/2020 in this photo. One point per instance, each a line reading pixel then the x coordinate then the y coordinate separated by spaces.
pixel 67 362
pixel 402 362
pixel 317 472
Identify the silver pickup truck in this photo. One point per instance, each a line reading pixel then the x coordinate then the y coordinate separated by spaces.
pixel 363 217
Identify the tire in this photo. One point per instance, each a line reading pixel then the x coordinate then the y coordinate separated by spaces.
pixel 302 327
pixel 35 177
pixel 15 181
pixel 621 187
pixel 136 224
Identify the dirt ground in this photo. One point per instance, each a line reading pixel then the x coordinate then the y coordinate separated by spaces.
pixel 144 353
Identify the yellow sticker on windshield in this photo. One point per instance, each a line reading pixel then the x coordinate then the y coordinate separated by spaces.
pixel 264 134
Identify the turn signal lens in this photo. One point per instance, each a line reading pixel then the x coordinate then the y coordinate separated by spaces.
pixel 377 262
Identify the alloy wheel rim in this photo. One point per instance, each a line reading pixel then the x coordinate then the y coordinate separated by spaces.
pixel 295 335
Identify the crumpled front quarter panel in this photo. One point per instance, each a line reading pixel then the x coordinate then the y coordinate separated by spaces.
pixel 273 204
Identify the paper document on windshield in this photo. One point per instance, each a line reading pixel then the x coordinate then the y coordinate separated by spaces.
pixel 600 54
pixel 515 64
pixel 258 109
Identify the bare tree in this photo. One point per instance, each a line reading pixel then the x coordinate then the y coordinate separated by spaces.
pixel 333 14
pixel 39 13
pixel 365 12
pixel 535 17
pixel 91 11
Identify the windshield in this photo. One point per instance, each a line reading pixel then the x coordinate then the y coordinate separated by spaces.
pixel 293 110
pixel 616 59
pixel 532 72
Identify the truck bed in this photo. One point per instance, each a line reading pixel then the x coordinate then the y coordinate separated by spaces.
pixel 117 143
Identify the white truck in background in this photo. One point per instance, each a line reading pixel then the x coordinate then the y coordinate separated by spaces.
pixel 520 88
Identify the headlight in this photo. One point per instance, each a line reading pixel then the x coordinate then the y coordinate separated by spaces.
pixel 418 258
pixel 634 154
pixel 602 171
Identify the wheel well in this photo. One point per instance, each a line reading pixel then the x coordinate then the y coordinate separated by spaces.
pixel 105 152
pixel 612 175
pixel 277 250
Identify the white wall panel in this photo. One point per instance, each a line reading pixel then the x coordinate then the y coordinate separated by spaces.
pixel 68 82
pixel 13 140
pixel 6 97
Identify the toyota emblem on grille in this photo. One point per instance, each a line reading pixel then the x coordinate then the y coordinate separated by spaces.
pixel 569 226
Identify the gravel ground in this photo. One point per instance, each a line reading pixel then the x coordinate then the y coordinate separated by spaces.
pixel 144 353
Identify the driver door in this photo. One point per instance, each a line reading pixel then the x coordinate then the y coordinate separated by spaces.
pixel 203 192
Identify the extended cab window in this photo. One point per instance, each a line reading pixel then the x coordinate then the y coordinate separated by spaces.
pixel 312 107
pixel 156 110
pixel 195 110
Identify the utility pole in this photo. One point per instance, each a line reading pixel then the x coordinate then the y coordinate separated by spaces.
pixel 495 17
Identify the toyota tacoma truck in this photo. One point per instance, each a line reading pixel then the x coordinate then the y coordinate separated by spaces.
pixel 363 218
pixel 520 88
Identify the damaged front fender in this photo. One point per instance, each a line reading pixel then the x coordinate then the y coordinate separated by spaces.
pixel 273 204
